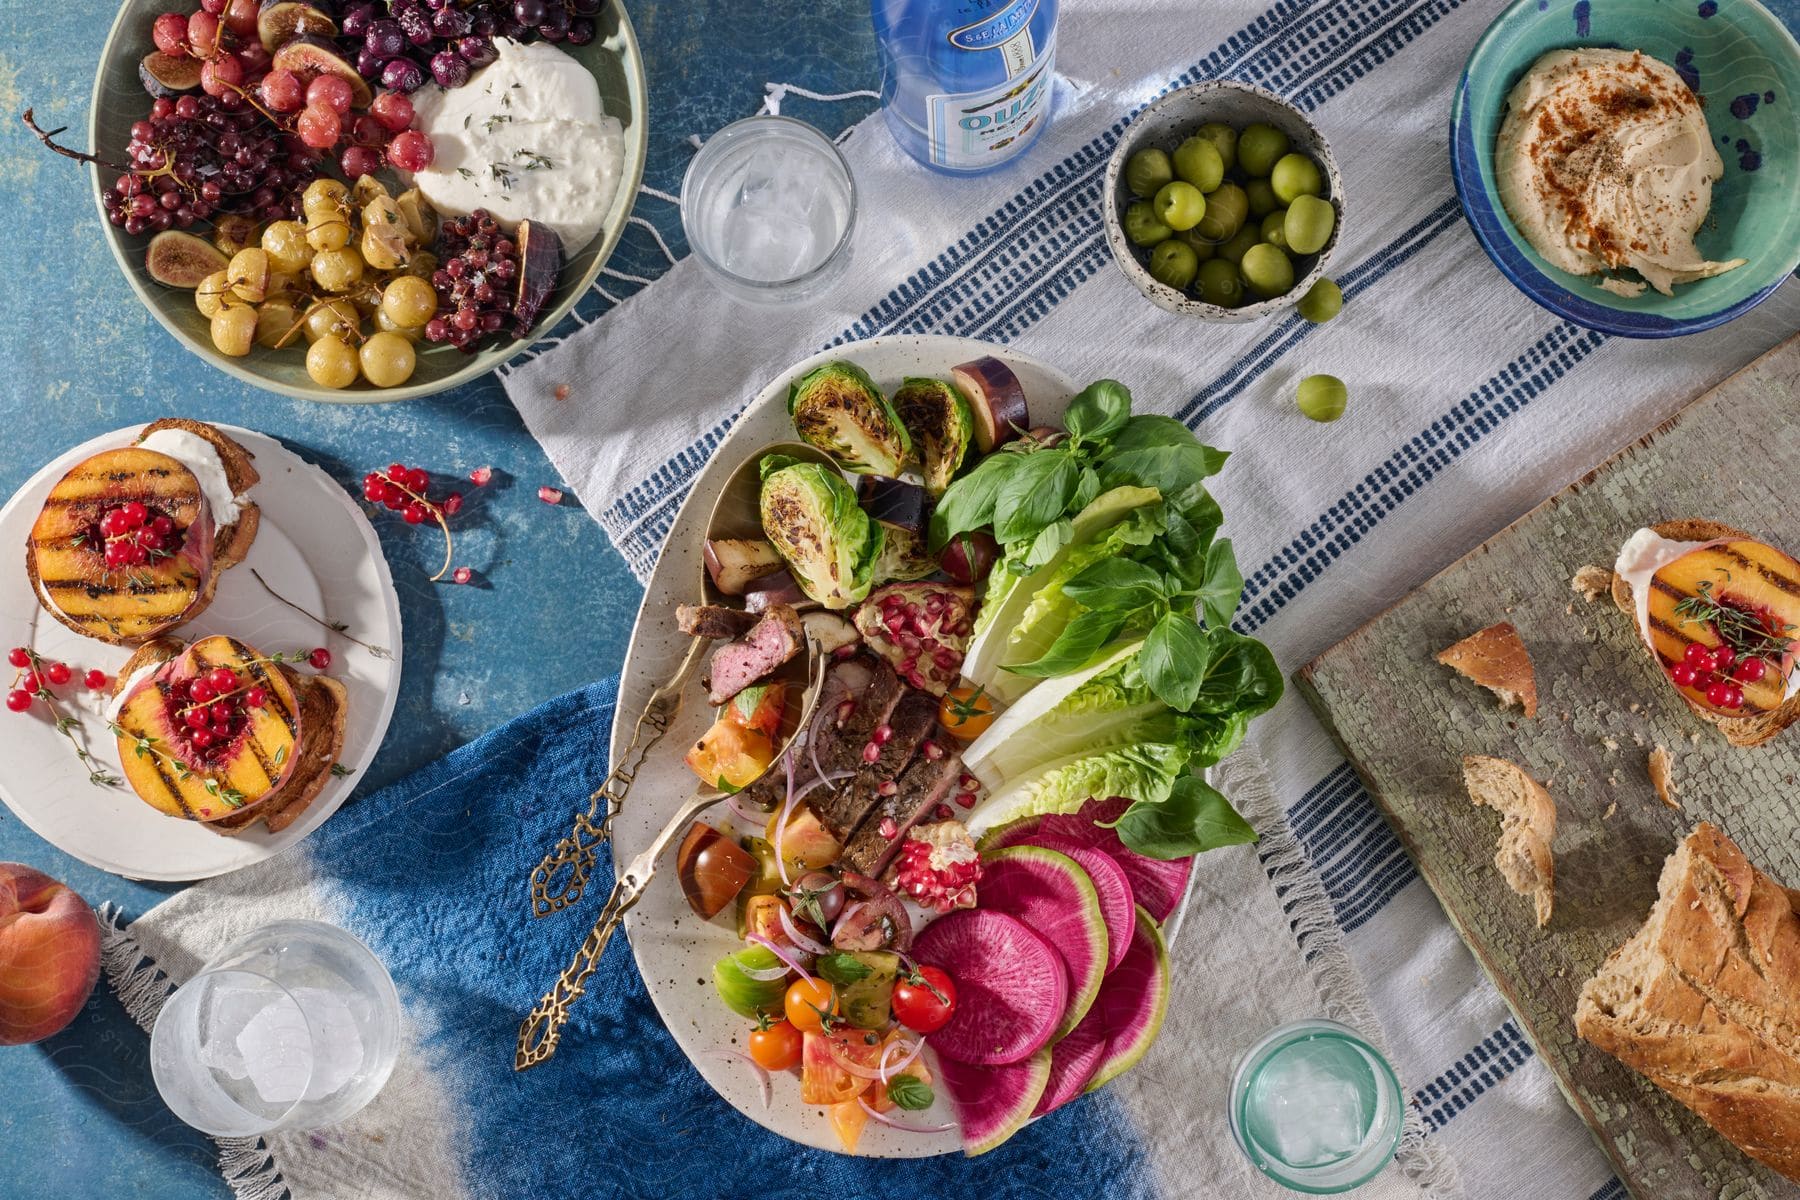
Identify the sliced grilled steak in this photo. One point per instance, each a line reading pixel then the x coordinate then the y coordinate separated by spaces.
pixel 849 680
pixel 922 788
pixel 775 638
pixel 714 621
pixel 842 809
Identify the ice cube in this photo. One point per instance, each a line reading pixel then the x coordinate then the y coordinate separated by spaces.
pixel 230 1009
pixel 276 1046
pixel 767 244
pixel 337 1041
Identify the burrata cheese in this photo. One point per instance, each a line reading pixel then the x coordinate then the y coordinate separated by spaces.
pixel 1605 162
pixel 526 137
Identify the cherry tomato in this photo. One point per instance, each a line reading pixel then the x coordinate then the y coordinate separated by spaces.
pixel 925 1000
pixel 777 1047
pixel 966 712
pixel 806 999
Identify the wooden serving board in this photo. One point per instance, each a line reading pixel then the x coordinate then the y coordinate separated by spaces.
pixel 1406 722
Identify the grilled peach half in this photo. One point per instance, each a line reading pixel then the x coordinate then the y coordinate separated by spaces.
pixel 67 554
pixel 193 750
pixel 1723 622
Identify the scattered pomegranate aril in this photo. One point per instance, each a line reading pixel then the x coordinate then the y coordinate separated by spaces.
pixel 481 475
pixel 319 659
pixel 452 504
pixel 871 752
pixel 888 787
pixel 932 751
pixel 18 700
pixel 462 575
pixel 887 828
pixel 965 799
pixel 550 495
pixel 969 783
pixel 883 734
pixel 943 812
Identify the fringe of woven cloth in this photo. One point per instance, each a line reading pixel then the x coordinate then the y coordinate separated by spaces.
pixel 245 1162
pixel 1245 779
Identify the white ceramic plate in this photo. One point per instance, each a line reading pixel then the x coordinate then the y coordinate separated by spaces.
pixel 675 950
pixel 317 549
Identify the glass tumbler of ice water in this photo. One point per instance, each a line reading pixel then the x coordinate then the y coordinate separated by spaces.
pixel 1316 1108
pixel 294 1026
pixel 768 206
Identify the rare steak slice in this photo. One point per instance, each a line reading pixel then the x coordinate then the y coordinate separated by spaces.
pixel 714 621
pixel 923 786
pixel 848 685
pixel 736 665
pixel 881 759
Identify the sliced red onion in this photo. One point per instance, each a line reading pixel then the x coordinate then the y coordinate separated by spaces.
pixel 793 964
pixel 856 1069
pixel 884 1068
pixel 755 819
pixel 787 810
pixel 810 945
pixel 764 974
pixel 908 1126
pixel 762 1075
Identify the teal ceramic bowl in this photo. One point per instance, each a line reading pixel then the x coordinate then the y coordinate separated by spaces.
pixel 1746 66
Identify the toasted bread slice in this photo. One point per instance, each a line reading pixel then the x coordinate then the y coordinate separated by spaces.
pixel 231 543
pixel 1527 827
pixel 1496 658
pixel 324 708
pixel 1751 730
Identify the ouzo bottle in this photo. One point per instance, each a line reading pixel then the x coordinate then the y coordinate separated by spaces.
pixel 966 84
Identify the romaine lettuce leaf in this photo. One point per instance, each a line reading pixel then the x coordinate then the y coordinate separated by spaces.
pixel 1146 772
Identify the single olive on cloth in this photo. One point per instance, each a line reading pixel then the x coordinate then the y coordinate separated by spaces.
pixel 1322 397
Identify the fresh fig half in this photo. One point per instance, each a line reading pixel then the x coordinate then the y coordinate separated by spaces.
pixel 166 76
pixel 540 262
pixel 310 56
pixel 280 21
pixel 181 260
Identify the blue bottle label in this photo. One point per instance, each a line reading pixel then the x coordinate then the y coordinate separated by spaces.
pixel 971 131
pixel 991 32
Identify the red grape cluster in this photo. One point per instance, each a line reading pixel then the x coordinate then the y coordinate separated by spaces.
pixel 406 42
pixel 476 280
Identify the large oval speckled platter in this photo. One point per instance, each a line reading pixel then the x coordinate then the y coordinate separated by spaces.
pixel 675 950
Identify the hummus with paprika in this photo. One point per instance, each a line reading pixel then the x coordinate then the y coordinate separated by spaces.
pixel 1605 163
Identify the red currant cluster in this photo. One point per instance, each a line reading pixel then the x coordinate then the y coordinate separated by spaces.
pixel 132 536
pixel 213 708
pixel 404 489
pixel 1717 671
pixel 34 676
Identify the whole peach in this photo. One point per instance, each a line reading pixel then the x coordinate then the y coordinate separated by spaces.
pixel 49 954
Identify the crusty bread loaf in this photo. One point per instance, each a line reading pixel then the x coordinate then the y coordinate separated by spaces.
pixel 1739 731
pixel 1527 827
pixel 1496 658
pixel 1704 1000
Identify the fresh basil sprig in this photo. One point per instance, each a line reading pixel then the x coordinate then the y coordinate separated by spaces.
pixel 909 1092
pixel 1195 817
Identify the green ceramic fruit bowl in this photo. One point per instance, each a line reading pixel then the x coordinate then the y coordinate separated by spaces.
pixel 1746 66
pixel 120 99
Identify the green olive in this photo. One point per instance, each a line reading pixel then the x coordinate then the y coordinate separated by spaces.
pixel 1174 262
pixel 1323 301
pixel 1204 247
pixel 1309 223
pixel 1233 248
pixel 1143 227
pixel 1262 197
pixel 1272 231
pixel 1322 397
pixel 1148 170
pixel 1295 175
pixel 1259 146
pixel 1222 136
pixel 1199 162
pixel 1217 282
pixel 1179 205
pixel 1226 209
pixel 1267 270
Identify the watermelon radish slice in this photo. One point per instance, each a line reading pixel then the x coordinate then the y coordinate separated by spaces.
pixel 993 1103
pixel 1111 887
pixel 1054 897
pixel 1132 1002
pixel 1011 986
pixel 1156 884
pixel 1073 1061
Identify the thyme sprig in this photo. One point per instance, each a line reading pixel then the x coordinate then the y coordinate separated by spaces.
pixel 142 744
pixel 338 627
pixel 65 724
pixel 1737 627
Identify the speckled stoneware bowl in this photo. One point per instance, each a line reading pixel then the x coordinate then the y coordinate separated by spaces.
pixel 119 99
pixel 675 950
pixel 1167 123
pixel 1744 64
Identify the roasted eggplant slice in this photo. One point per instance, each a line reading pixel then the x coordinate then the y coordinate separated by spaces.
pixel 894 502
pixel 736 563
pixel 838 409
pixel 996 400
pixel 938 418
pixel 811 515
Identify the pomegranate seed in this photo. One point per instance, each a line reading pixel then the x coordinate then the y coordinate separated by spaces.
pixel 934 605
pixel 871 752
pixel 933 752
pixel 946 658
pixel 550 495
pixel 845 708
pixel 845 651
pixel 969 783
pixel 965 799
pixel 452 504
pixel 943 812
pixel 95 680
pixel 58 672
pixel 1697 656
pixel 1750 670
pixel 19 657
pixel 561 392
pixel 884 734
pixel 1683 674
pixel 462 575
pixel 320 659
pixel 888 829
pixel 481 475
pixel 18 700
pixel 888 787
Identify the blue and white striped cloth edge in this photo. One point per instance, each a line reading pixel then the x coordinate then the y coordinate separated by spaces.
pixel 1469 405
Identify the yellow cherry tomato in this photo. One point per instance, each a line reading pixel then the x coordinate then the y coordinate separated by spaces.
pixel 966 712
pixel 806 1000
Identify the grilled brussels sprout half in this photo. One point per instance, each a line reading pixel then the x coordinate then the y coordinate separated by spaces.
pixel 838 409
pixel 937 417
pixel 904 556
pixel 812 517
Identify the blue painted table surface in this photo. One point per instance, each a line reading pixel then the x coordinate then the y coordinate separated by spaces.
pixel 79 1115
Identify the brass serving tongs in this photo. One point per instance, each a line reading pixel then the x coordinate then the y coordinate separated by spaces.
pixel 735 514
pixel 562 875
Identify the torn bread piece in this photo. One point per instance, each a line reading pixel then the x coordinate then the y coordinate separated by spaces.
pixel 1527 827
pixel 1704 1000
pixel 1591 582
pixel 1496 658
pixel 1661 766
